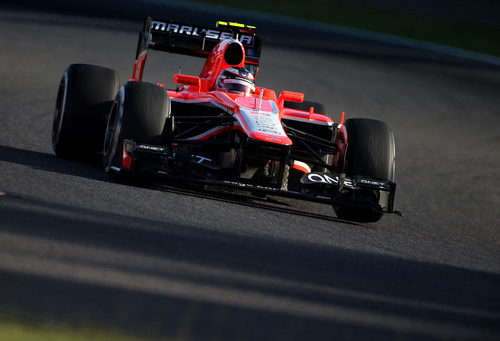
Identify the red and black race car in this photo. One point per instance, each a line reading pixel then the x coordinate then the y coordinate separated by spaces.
pixel 219 128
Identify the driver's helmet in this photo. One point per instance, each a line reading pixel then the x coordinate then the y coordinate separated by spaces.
pixel 236 80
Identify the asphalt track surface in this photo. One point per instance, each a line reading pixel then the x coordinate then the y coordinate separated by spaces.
pixel 165 261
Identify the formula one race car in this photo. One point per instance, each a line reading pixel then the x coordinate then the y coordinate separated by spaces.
pixel 220 129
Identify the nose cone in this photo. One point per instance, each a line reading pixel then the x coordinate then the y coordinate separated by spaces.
pixel 263 120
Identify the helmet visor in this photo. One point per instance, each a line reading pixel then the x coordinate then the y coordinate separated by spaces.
pixel 238 86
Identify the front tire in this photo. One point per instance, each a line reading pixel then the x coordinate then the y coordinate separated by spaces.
pixel 370 153
pixel 141 113
pixel 84 99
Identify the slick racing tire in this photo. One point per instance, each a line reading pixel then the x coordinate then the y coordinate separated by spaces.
pixel 371 153
pixel 85 96
pixel 306 106
pixel 141 113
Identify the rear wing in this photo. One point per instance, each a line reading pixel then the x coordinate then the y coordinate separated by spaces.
pixel 193 40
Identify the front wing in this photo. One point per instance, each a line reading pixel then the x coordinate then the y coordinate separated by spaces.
pixel 326 188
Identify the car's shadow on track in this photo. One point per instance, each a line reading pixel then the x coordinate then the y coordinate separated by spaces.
pixel 241 198
pixel 92 170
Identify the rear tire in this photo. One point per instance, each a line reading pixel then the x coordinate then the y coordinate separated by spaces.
pixel 141 113
pixel 86 93
pixel 306 106
pixel 371 153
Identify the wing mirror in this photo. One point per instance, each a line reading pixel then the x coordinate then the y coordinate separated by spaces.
pixel 187 80
pixel 291 96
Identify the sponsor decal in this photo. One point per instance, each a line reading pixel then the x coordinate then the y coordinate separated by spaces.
pixel 201 159
pixel 262 121
pixel 148 147
pixel 204 162
pixel 372 182
pixel 331 179
pixel 267 124
pixel 195 31
pixel 324 178
pixel 380 184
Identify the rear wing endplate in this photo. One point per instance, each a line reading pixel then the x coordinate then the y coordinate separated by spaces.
pixel 192 40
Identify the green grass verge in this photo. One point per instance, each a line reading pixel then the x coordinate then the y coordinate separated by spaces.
pixel 466 35
pixel 11 330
